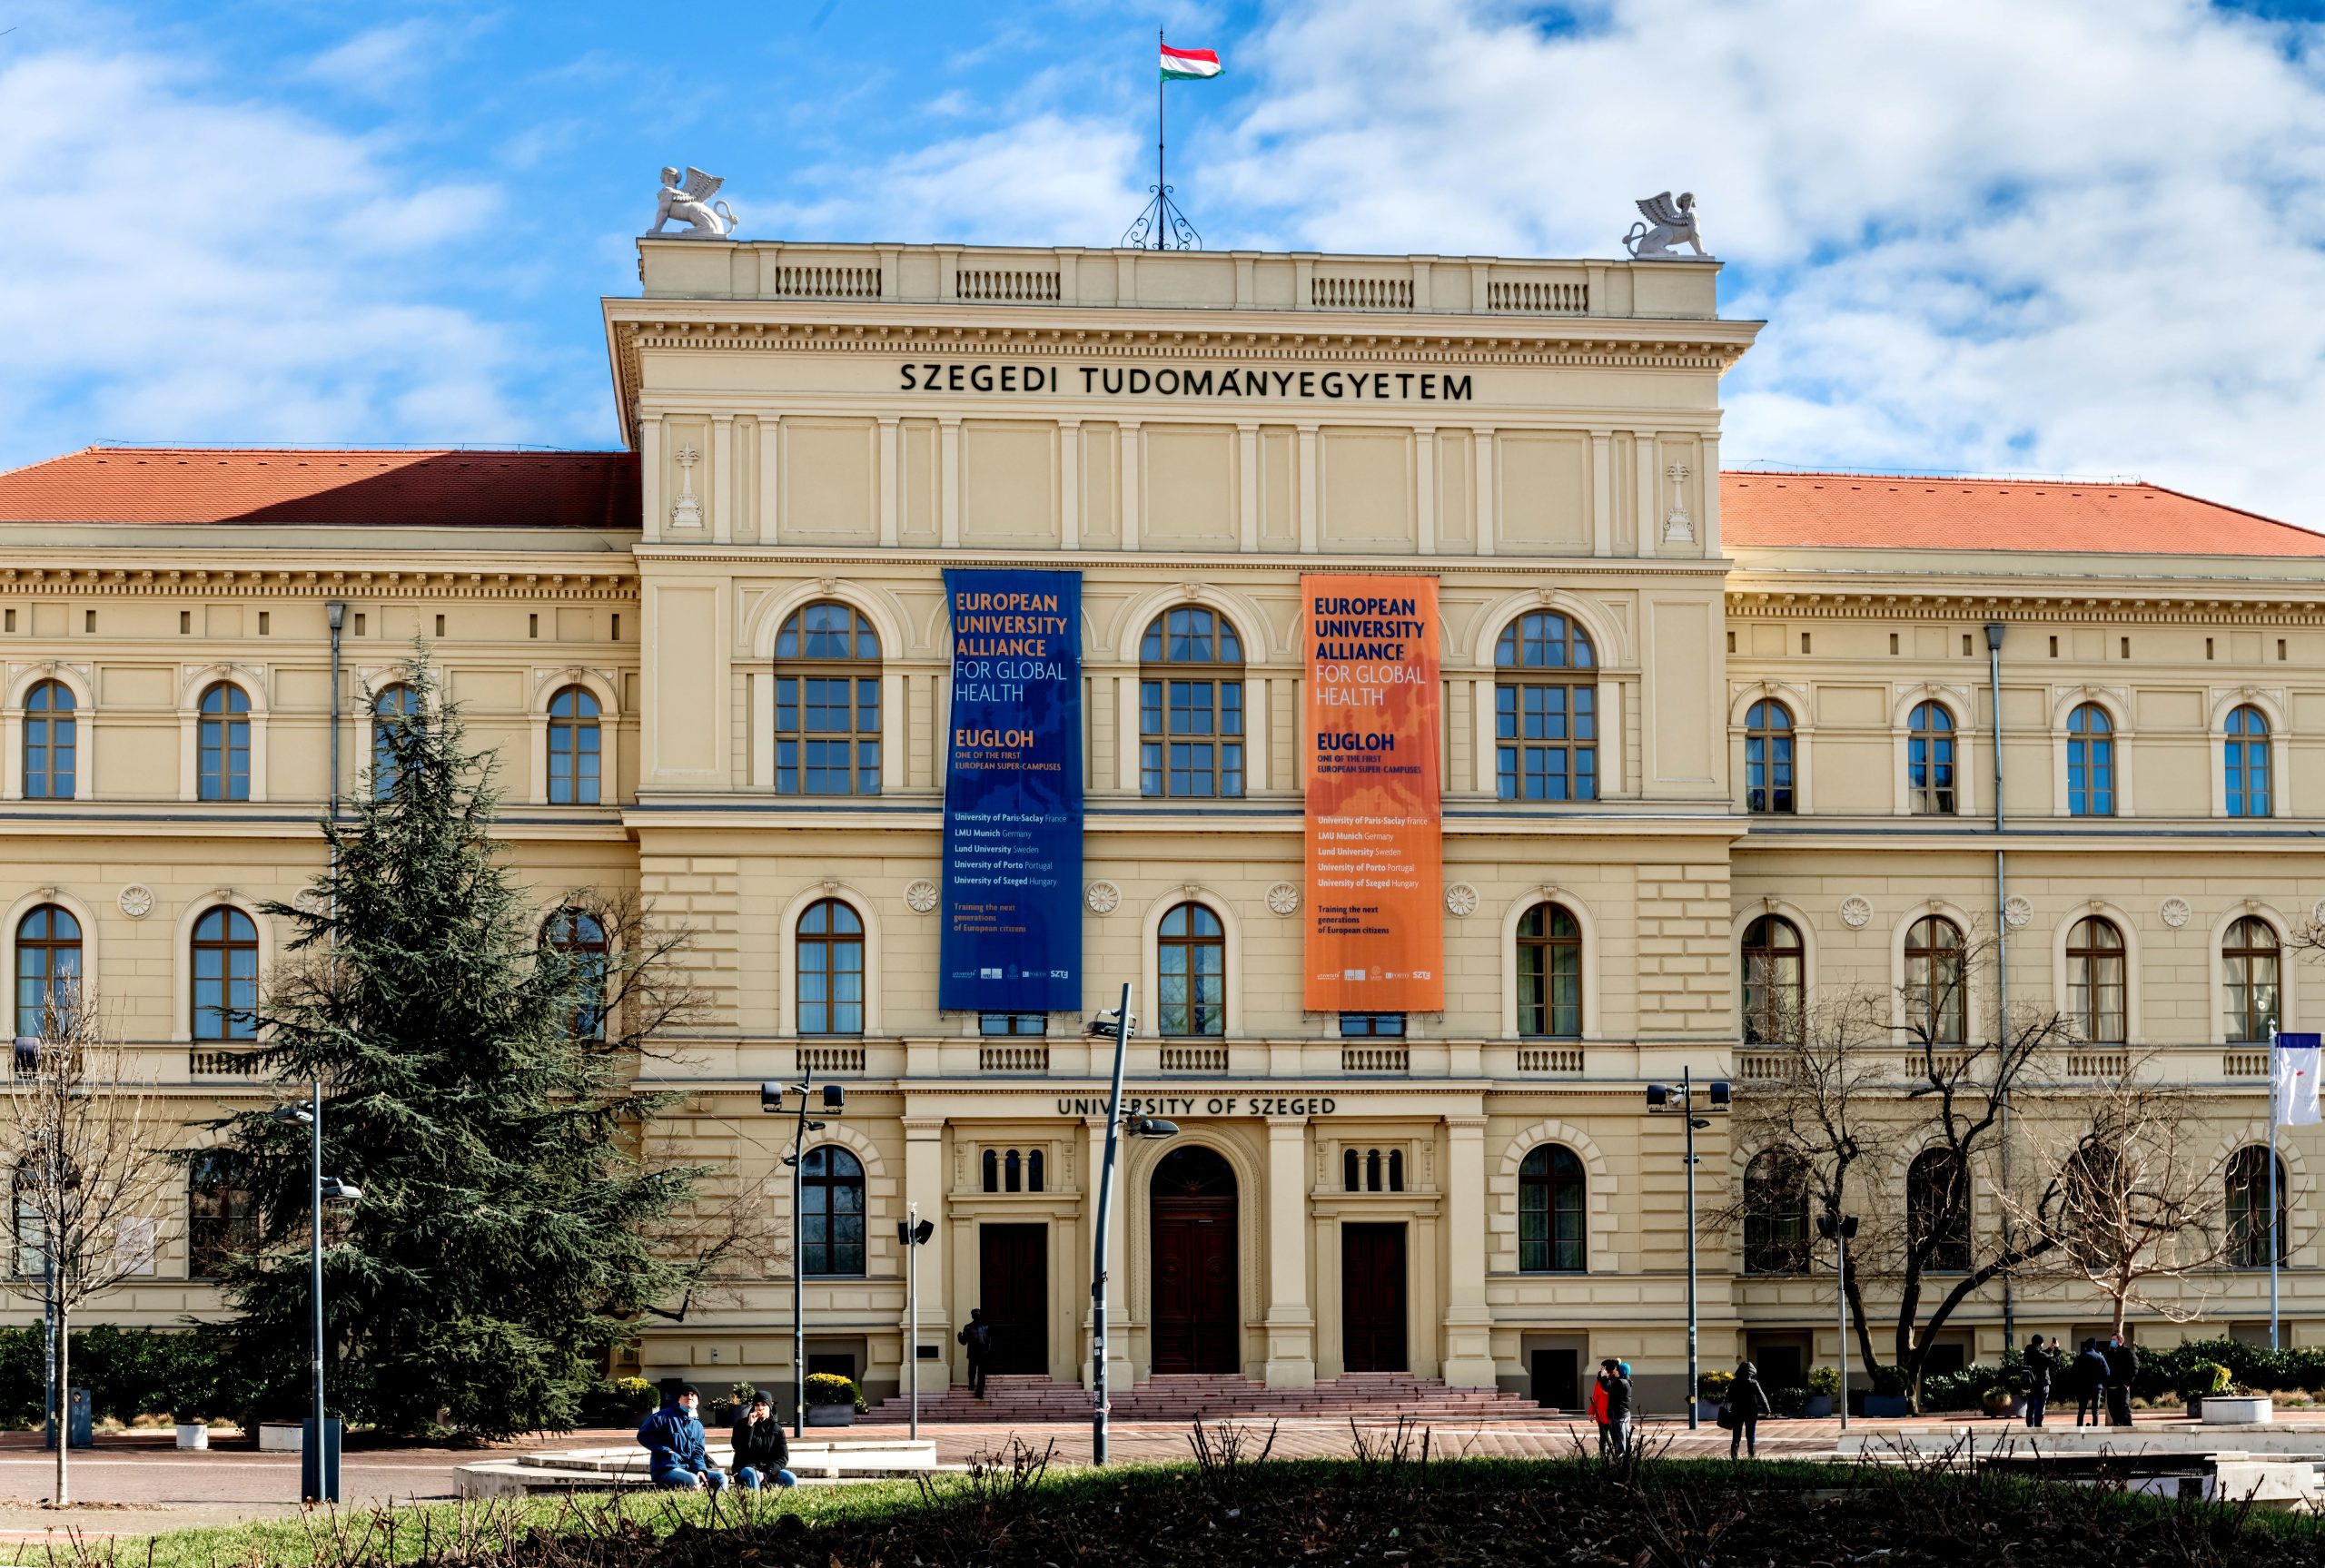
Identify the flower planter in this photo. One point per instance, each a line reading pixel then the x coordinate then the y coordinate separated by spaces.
pixel 194 1434
pixel 1889 1406
pixel 1706 1410
pixel 831 1415
pixel 2196 1409
pixel 1817 1407
pixel 2238 1410
pixel 282 1437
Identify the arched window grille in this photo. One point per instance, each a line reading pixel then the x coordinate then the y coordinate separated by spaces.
pixel 391 710
pixel 2249 961
pixel 1929 759
pixel 2245 756
pixel 575 749
pixel 225 974
pixel 1937 1010
pixel 1775 1213
pixel 1549 974
pixel 581 938
pixel 1767 758
pixel 222 744
pixel 2091 762
pixel 48 969
pixel 1775 981
pixel 2248 1209
pixel 831 968
pixel 2095 980
pixel 831 1218
pixel 1937 1209
pixel 1192 950
pixel 51 737
pixel 1551 1204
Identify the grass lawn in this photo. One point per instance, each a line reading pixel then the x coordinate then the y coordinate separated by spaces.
pixel 1392 1507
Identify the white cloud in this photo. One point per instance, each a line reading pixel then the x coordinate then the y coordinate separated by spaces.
pixel 179 265
pixel 2015 234
pixel 378 61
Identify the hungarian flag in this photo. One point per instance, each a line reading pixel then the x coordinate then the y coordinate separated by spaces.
pixel 2295 1068
pixel 1188 64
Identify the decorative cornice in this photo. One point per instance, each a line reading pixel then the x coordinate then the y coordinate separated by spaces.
pixel 116 582
pixel 2083 609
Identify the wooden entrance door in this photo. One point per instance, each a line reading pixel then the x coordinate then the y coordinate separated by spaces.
pixel 1372 1297
pixel 1196 1304
pixel 1012 1287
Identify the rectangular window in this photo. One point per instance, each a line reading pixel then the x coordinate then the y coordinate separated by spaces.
pixel 2208 648
pixel 12 627
pixel 1965 644
pixel 359 623
pixel 440 626
pixel 265 623
pixel 1012 1023
pixel 532 626
pixel 185 622
pixel 2127 647
pixel 2054 647
pixel 2281 646
pixel 88 620
pixel 1892 642
pixel 1372 1026
pixel 616 627
pixel 1804 642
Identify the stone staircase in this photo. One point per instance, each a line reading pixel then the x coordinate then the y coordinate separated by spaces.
pixel 1028 1400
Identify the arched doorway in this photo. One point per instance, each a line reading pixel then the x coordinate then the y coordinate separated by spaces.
pixel 1197 1307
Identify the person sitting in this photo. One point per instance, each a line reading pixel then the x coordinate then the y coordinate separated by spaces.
pixel 672 1437
pixel 761 1450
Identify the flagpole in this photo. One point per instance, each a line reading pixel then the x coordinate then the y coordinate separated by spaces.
pixel 2273 1201
pixel 1162 209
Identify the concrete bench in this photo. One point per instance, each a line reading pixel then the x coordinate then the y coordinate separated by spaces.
pixel 554 1470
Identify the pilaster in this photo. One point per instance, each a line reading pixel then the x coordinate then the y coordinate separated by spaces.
pixel 1468 1352
pixel 1290 1320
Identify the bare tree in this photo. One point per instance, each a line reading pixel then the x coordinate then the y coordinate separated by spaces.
pixel 88 1142
pixel 2136 1195
pixel 721 1238
pixel 647 993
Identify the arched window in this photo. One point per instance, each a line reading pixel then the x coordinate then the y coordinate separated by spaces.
pixel 2091 762
pixel 1545 710
pixel 581 938
pixel 1767 758
pixel 1193 948
pixel 2095 980
pixel 1550 1209
pixel 1775 1213
pixel 1191 706
pixel 1937 1009
pixel 1396 1170
pixel 1549 974
pixel 225 974
pixel 990 1165
pixel 1352 1172
pixel 391 711
pixel 826 703
pixel 1032 1171
pixel 831 1216
pixel 1775 981
pixel 1929 759
pixel 831 968
pixel 2095 1190
pixel 221 1212
pixel 1013 1171
pixel 52 737
pixel 1372 1170
pixel 2248 963
pixel 223 744
pixel 48 968
pixel 2246 757
pixel 1937 1209
pixel 575 758
pixel 2248 1209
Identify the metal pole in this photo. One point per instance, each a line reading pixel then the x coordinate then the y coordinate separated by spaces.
pixel 2002 973
pixel 1162 203
pixel 1840 1240
pixel 911 1295
pixel 2273 1340
pixel 1687 1105
pixel 326 1490
pixel 1098 1238
pixel 798 1274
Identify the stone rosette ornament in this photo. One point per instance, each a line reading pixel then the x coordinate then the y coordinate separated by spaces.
pixel 1283 899
pixel 136 901
pixel 2016 911
pixel 1101 898
pixel 2175 912
pixel 1856 911
pixel 1460 900
pixel 921 897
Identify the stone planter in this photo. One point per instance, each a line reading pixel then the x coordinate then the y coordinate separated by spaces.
pixel 194 1434
pixel 1707 1411
pixel 1817 1407
pixel 2237 1409
pixel 282 1437
pixel 1887 1406
pixel 831 1415
pixel 2196 1409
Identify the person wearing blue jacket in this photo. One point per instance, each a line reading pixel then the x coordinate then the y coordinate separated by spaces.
pixel 672 1436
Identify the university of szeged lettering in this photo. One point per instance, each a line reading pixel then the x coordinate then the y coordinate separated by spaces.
pixel 1649 745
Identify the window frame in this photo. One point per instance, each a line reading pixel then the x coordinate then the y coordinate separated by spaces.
pixel 1514 675
pixel 48 948
pixel 1771 759
pixel 1775 1243
pixel 1538 956
pixel 396 703
pixel 227 1222
pixel 2247 1199
pixel 52 721
pixel 562 932
pixel 222 734
pixel 2245 757
pixel 1163 677
pixel 1758 1021
pixel 1931 752
pixel 820 1173
pixel 865 674
pixel 1543 1196
pixel 1194 1011
pixel 2236 963
pixel 2090 758
pixel 226 944
pixel 830 944
pixel 577 784
pixel 1925 948
pixel 2086 982
pixel 1949 1253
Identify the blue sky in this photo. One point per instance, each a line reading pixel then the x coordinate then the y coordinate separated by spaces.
pixel 1997 235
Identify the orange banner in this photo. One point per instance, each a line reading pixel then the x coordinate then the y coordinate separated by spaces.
pixel 1376 940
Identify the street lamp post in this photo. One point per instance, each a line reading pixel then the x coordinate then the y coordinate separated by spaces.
pixel 319 1442
pixel 771 1102
pixel 1662 1097
pixel 913 1232
pixel 1839 1229
pixel 1121 1026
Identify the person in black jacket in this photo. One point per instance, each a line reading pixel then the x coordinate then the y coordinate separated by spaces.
pixel 761 1450
pixel 1747 1403
pixel 977 1340
pixel 2039 1363
pixel 2090 1383
pixel 1618 1406
pixel 2122 1365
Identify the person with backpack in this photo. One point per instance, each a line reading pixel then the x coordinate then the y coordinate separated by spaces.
pixel 1598 1410
pixel 1617 1387
pixel 2035 1378
pixel 2122 1365
pixel 1741 1411
pixel 761 1450
pixel 672 1438
pixel 977 1339
pixel 2090 1383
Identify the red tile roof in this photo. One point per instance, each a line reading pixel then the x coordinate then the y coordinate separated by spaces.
pixel 340 489
pixel 1853 511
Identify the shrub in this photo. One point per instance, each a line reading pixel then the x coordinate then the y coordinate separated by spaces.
pixel 1824 1382
pixel 2203 1380
pixel 831 1388
pixel 1889 1382
pixel 1713 1384
pixel 1963 1390
pixel 617 1402
pixel 1787 1403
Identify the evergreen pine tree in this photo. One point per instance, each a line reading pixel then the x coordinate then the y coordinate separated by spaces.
pixel 504 1239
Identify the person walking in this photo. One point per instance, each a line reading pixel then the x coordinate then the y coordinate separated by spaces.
pixel 1747 1403
pixel 761 1450
pixel 2122 1365
pixel 1599 1409
pixel 2090 1383
pixel 2039 1363
pixel 977 1339
pixel 1618 1406
pixel 672 1437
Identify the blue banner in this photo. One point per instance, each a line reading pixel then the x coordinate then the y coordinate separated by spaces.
pixel 1012 934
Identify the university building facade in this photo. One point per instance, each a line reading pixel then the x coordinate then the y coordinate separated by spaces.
pixel 1707 742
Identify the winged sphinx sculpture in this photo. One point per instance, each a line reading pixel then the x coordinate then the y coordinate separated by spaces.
pixel 691 204
pixel 1668 224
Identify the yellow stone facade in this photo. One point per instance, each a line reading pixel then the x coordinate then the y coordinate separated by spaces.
pixel 837 424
